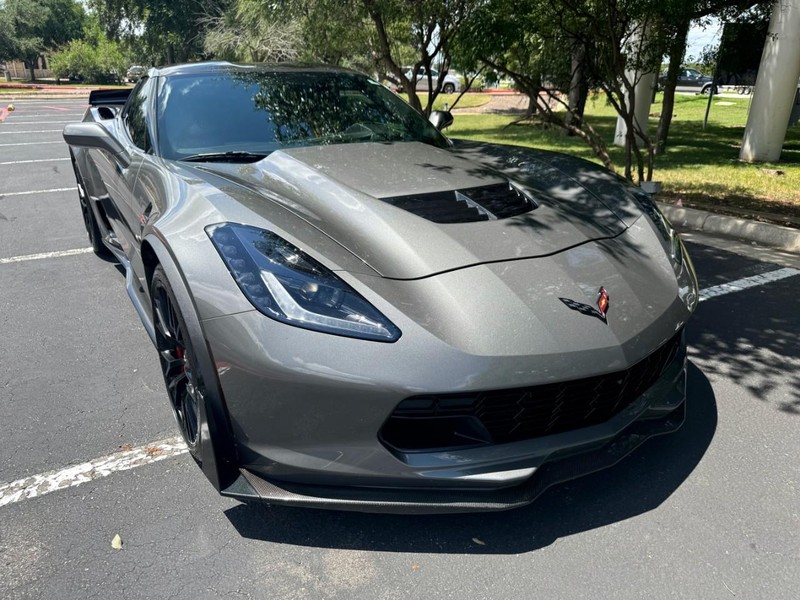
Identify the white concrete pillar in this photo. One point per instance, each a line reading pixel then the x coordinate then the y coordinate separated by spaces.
pixel 642 89
pixel 776 86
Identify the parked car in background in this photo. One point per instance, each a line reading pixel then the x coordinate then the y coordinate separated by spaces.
pixel 450 85
pixel 689 80
pixel 135 73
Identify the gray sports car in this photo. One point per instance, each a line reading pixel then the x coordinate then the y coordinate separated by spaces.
pixel 353 311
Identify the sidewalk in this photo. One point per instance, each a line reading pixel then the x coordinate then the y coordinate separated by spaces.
pixel 10 91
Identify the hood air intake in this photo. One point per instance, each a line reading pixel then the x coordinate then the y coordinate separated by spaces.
pixel 487 203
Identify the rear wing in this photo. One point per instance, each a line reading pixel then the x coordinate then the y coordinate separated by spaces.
pixel 109 97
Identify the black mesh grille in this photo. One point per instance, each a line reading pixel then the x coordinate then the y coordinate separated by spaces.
pixel 499 416
pixel 490 202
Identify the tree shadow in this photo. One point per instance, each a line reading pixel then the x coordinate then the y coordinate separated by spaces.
pixel 750 339
pixel 638 484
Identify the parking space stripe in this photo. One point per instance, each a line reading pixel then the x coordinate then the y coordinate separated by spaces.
pixel 33 160
pixel 747 282
pixel 31 131
pixel 42 255
pixel 39 485
pixel 15 122
pixel 67 189
pixel 30 143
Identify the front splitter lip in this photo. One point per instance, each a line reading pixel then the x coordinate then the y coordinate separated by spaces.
pixel 249 486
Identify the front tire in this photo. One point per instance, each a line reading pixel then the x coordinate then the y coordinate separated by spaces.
pixel 178 365
pixel 448 88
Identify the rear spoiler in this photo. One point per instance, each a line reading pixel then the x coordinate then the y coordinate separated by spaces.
pixel 109 97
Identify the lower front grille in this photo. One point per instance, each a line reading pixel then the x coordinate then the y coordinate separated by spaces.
pixel 447 421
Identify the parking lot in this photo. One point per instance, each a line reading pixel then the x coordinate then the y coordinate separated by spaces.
pixel 89 450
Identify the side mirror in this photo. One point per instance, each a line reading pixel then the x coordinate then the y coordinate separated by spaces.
pixel 94 135
pixel 441 119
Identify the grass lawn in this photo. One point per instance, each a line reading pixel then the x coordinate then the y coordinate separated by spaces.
pixel 468 100
pixel 700 167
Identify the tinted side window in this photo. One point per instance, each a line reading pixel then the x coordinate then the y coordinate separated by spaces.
pixel 137 115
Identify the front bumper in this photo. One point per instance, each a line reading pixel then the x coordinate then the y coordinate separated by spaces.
pixel 250 486
pixel 504 477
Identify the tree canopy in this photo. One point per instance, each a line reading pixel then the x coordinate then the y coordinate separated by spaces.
pixel 555 51
pixel 31 28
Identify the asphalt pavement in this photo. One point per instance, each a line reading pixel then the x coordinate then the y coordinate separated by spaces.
pixel 711 512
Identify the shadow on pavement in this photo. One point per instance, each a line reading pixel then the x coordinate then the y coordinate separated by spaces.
pixel 638 484
pixel 750 339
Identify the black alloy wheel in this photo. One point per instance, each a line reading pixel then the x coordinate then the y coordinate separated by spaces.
pixel 181 376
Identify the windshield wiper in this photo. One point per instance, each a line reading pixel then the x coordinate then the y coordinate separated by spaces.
pixel 234 156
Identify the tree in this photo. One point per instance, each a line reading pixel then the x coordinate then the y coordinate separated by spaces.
pixel 677 17
pixel 429 28
pixel 33 27
pixel 168 31
pixel 94 58
pixel 382 37
pixel 249 33
pixel 522 40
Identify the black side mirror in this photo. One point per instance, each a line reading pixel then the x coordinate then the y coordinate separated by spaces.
pixel 94 135
pixel 441 119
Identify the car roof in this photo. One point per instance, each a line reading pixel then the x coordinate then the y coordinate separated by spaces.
pixel 229 67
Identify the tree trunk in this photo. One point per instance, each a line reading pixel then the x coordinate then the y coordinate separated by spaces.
pixel 533 105
pixel 676 50
pixel 32 67
pixel 578 89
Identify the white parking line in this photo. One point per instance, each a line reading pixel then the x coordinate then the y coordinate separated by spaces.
pixel 747 282
pixel 44 483
pixel 7 194
pixel 7 123
pixel 31 131
pixel 42 255
pixel 33 160
pixel 30 143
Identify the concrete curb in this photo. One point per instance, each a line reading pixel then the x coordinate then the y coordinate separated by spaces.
pixel 776 236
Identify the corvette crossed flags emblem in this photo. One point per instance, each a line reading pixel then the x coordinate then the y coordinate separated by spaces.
pixel 590 311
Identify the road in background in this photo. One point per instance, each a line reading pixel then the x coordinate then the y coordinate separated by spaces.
pixel 712 511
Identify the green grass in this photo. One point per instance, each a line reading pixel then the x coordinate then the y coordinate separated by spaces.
pixel 700 166
pixel 467 100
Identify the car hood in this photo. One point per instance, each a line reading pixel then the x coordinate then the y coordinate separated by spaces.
pixel 374 198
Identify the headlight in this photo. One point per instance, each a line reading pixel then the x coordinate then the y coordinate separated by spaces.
pixel 681 263
pixel 289 286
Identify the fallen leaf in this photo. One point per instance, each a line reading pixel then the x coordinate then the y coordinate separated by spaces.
pixel 126 447
pixel 116 543
pixel 153 451
pixel 415 568
pixel 479 542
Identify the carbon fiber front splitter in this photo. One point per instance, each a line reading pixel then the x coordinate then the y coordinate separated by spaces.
pixel 249 487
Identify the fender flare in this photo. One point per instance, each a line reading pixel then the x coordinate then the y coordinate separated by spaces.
pixel 218 455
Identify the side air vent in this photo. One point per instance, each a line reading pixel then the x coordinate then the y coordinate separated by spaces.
pixel 487 203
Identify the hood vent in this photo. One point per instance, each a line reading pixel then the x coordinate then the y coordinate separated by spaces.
pixel 487 203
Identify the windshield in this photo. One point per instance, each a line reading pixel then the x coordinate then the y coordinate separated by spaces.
pixel 260 112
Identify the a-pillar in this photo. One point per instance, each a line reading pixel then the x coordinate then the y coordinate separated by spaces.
pixel 776 86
